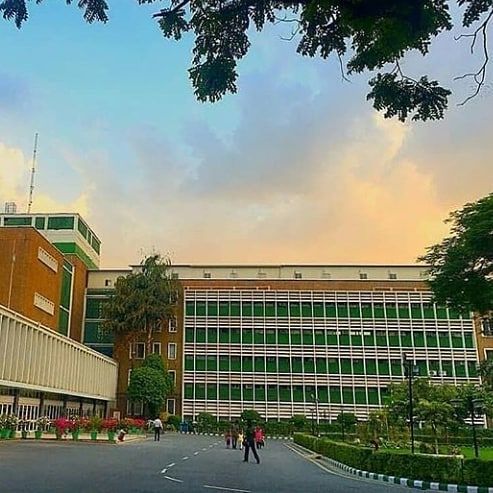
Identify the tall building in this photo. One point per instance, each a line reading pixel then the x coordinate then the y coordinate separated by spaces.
pixel 286 339
pixel 43 268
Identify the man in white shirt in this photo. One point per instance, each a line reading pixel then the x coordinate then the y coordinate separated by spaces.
pixel 158 426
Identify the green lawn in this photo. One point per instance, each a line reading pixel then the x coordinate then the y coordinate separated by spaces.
pixel 484 453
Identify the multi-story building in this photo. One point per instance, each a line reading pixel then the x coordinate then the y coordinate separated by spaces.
pixel 280 339
pixel 43 268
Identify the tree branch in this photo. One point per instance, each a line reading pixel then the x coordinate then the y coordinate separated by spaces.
pixel 479 77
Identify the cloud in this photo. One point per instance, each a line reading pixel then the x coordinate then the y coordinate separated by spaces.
pixel 14 186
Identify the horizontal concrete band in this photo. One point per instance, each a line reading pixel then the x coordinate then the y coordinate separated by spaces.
pixel 220 435
pixel 412 483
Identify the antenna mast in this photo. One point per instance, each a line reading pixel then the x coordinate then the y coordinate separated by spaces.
pixel 33 170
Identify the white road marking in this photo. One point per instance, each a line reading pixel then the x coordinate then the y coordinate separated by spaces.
pixel 174 479
pixel 184 458
pixel 225 489
pixel 196 453
pixel 204 449
pixel 170 465
pixel 164 471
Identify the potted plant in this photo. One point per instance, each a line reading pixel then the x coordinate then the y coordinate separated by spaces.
pixel 62 426
pixel 110 425
pixel 4 431
pixel 42 424
pixel 24 424
pixel 74 427
pixel 94 426
pixel 12 422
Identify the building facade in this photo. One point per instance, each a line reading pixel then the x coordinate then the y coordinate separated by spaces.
pixel 43 268
pixel 285 340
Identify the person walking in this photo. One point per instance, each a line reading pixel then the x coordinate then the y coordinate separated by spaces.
pixel 234 435
pixel 158 426
pixel 241 439
pixel 250 442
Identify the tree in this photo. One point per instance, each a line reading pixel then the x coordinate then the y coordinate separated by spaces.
pixel 150 384
pixel 347 420
pixel 142 301
pixel 437 414
pixel 486 372
pixel 365 35
pixel 461 266
pixel 206 422
pixel 250 415
pixel 299 422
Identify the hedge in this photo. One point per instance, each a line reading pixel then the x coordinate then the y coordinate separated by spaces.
pixel 476 472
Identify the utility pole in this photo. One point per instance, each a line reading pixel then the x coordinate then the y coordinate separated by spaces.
pixel 33 171
pixel 409 371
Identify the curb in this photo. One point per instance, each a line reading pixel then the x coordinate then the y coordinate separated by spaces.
pixel 411 483
pixel 220 435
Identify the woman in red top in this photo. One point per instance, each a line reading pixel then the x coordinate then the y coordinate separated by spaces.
pixel 259 437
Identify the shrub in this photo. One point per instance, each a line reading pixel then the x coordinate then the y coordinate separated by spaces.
pixel 478 472
pixel 425 467
pixel 174 421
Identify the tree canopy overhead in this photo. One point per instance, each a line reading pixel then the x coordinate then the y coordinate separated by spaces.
pixel 461 266
pixel 365 35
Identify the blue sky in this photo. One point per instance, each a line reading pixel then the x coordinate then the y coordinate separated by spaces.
pixel 297 167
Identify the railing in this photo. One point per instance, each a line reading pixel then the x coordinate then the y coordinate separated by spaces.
pixel 36 358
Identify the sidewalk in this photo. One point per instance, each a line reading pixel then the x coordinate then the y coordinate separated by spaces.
pixel 83 437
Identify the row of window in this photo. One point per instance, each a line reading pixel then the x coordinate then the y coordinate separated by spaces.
pixel 137 350
pixel 308 309
pixel 285 393
pixel 344 366
pixel 330 337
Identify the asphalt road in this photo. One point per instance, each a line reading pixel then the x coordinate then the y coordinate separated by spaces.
pixel 176 464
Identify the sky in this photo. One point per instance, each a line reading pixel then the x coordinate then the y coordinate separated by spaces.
pixel 295 168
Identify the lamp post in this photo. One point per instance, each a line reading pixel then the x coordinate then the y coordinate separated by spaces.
pixel 313 423
pixel 409 371
pixel 315 400
pixel 342 425
pixel 473 407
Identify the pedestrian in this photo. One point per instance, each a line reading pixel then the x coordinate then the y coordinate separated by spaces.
pixel 158 426
pixel 241 439
pixel 234 435
pixel 250 442
pixel 259 437
pixel 227 437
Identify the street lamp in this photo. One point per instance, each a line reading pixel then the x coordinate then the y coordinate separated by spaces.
pixel 474 407
pixel 342 425
pixel 315 400
pixel 410 370
pixel 313 422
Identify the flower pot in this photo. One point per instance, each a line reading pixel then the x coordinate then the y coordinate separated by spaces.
pixel 94 435
pixel 75 435
pixel 111 436
pixel 12 434
pixel 24 434
pixel 58 434
pixel 38 434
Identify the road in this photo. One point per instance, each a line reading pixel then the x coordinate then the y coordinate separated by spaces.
pixel 176 464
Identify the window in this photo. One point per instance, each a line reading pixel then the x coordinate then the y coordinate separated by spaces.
pixel 170 405
pixel 172 324
pixel 487 326
pixel 156 348
pixel 171 350
pixel 62 222
pixel 107 282
pixel 137 350
pixel 363 275
pixel 297 275
pixel 392 275
pixel 207 275
pixel 172 374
